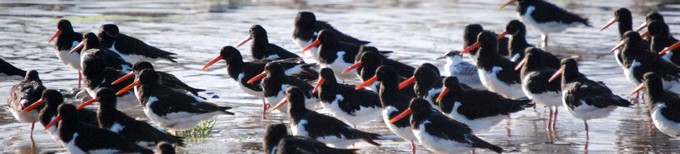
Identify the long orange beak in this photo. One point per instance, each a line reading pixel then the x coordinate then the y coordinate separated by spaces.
pixel 644 35
pixel 401 115
pixel 256 78
pixel 248 38
pixel 123 78
pixel 557 74
pixel 127 88
pixel 617 46
pixel 86 103
pixel 442 94
pixel 54 35
pixel 521 63
pixel 502 35
pixel 284 101
pixel 53 122
pixel 671 48
pixel 313 44
pixel 611 22
pixel 407 82
pixel 77 48
pixel 350 68
pixel 367 83
pixel 318 84
pixel 213 61
pixel 640 87
pixel 506 4
pixel 470 48
pixel 33 106
pixel 643 26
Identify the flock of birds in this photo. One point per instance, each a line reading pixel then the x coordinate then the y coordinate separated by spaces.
pixel 418 104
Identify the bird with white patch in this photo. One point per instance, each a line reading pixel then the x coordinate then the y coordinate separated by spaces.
pixel 275 82
pixel 307 28
pixel 262 49
pixel 638 60
pixel 335 54
pixel 464 71
pixel 97 76
pixel 344 102
pixel 22 95
pixel 277 140
pixel 535 74
pixel 664 105
pixel 52 99
pixel 67 39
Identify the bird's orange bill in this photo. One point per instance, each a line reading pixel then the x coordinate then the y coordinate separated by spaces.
pixel 643 26
pixel 644 35
pixel 311 45
pixel 318 84
pixel 367 83
pixel 470 48
pixel 33 106
pixel 521 63
pixel 671 48
pixel 611 22
pixel 213 61
pixel 506 4
pixel 127 88
pixel 401 115
pixel 284 101
pixel 244 41
pixel 53 122
pixel 123 78
pixel 350 68
pixel 502 35
pixel 407 82
pixel 618 46
pixel 442 94
pixel 557 75
pixel 256 78
pixel 642 86
pixel 86 103
pixel 77 48
pixel 56 34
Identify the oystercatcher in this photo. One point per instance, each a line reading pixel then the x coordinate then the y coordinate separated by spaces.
pixel 664 105
pixel 327 129
pixel 168 79
pixel 22 95
pixel 98 76
pixel 139 132
pixel 52 99
pixel 625 23
pixel 344 102
pixel 170 108
pixel 67 39
pixel 545 17
pixel 275 82
pixel 78 137
pixel 439 133
pixel 637 61
pixel 466 72
pixel 585 99
pixel 478 109
pixel 7 69
pixel 91 49
pixel 535 74
pixel 470 38
pixel 262 49
pixel 518 44
pixel 277 140
pixel 428 83
pixel 131 49
pixel 335 54
pixel 662 38
pixel 165 148
pixel 369 62
pixel 496 73
pixel 307 28
pixel 651 16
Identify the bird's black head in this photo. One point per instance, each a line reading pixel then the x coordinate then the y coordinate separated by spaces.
pixel 272 136
pixel 633 40
pixel 533 56
pixel 32 75
pixel 658 28
pixel 142 65
pixel 488 42
pixel 93 66
pixel 425 73
pixel 257 31
pixel 327 38
pixel 452 83
pixel 653 83
pixel 570 69
pixel 328 75
pixel 148 76
pixel 419 105
pixel 64 25
pixel 295 98
pixel 386 74
pixel 623 14
pixel 305 20
pixel 91 41
pixel 470 33
pixel 229 53
pixel 654 16
pixel 108 30
pixel 371 60
pixel 68 112
pixel 273 69
pixel 165 148
pixel 515 27
pixel 107 98
pixel 363 49
pixel 52 98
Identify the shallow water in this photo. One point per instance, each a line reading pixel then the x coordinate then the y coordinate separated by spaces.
pixel 417 31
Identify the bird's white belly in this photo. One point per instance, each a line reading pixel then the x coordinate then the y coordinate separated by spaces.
pixel 25 117
pixel 431 96
pixel 477 125
pixel 72 60
pixel 629 73
pixel 548 98
pixel 439 145
pixel 492 83
pixel 258 94
pixel 339 65
pixel 176 120
pixel 314 52
pixel 405 133
pixel 662 123
pixel 544 27
pixel 587 112
pixel 364 114
pixel 310 103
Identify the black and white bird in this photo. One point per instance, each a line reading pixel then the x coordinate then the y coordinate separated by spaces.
pixel 50 101
pixel 439 133
pixel 335 54
pixel 585 99
pixel 545 17
pixel 518 44
pixel 275 82
pixel 464 71
pixel 663 42
pixel 131 49
pixel 277 140
pixel 327 129
pixel 170 108
pixel 478 109
pixel 496 72
pixel 168 79
pixel 637 60
pixel 97 76
pixel 624 19
pixel 67 39
pixel 261 49
pixel 369 61
pixel 90 48
pixel 664 105
pixel 9 71
pixel 78 137
pixel 23 95
pixel 344 102
pixel 307 28
pixel 394 102
pixel 139 132
pixel 470 34
pixel 535 74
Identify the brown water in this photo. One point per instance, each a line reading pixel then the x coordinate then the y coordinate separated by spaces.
pixel 417 31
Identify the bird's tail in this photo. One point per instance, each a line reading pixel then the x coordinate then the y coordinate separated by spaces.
pixel 338 151
pixel 479 143
pixel 618 101
pixel 369 137
pixel 224 110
